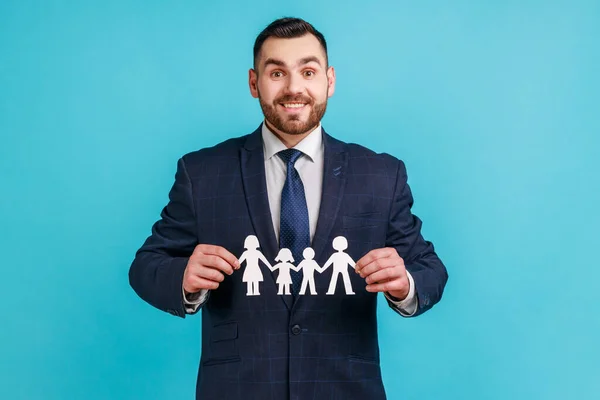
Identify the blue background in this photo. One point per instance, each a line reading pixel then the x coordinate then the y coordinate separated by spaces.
pixel 494 106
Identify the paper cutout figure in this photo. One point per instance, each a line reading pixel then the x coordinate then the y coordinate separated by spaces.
pixel 252 274
pixel 340 261
pixel 284 280
pixel 308 266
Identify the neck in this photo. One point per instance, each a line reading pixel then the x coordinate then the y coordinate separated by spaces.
pixel 288 139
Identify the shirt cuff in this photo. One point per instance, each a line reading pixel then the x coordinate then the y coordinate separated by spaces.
pixel 193 301
pixel 408 306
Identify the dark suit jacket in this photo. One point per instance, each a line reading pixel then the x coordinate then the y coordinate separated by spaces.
pixel 269 346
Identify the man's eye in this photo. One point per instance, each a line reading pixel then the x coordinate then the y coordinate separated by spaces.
pixel 309 74
pixel 276 74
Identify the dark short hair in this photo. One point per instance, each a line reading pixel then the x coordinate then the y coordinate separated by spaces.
pixel 287 28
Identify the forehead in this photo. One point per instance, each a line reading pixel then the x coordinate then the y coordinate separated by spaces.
pixel 290 51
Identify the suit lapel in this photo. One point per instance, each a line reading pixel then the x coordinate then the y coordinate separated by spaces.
pixel 334 181
pixel 255 188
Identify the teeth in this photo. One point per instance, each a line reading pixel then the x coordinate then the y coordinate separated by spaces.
pixel 293 105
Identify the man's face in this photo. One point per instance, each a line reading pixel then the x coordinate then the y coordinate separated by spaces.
pixel 292 83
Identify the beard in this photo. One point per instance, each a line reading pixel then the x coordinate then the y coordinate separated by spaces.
pixel 293 124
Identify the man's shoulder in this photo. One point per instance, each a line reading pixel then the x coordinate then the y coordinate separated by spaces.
pixel 229 148
pixel 357 152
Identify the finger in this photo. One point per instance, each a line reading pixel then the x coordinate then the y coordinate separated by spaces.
pixel 210 273
pixel 198 283
pixel 222 252
pixel 376 265
pixel 193 284
pixel 384 275
pixel 389 286
pixel 216 262
pixel 374 255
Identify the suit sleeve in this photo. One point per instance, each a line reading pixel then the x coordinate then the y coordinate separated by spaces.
pixel 156 273
pixel 404 234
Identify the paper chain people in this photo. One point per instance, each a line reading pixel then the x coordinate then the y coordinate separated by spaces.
pixel 253 274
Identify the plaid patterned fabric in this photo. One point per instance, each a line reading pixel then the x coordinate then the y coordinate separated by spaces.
pixel 285 347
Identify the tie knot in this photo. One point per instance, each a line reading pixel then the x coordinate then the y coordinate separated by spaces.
pixel 290 156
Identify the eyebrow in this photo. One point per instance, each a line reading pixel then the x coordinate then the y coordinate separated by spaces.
pixel 309 59
pixel 303 61
pixel 273 61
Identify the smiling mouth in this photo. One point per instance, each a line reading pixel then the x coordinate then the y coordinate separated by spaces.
pixel 293 106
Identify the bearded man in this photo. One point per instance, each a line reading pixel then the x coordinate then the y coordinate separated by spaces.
pixel 292 186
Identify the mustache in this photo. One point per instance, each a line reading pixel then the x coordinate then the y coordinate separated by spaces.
pixel 294 99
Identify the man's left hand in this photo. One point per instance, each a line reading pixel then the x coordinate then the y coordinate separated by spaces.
pixel 384 271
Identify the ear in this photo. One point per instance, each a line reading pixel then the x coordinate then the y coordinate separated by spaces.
pixel 253 82
pixel 330 81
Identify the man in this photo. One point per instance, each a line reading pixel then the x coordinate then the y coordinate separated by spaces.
pixel 292 186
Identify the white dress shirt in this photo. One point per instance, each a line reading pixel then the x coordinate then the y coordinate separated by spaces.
pixel 310 169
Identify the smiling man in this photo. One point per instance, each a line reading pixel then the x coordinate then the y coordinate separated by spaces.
pixel 294 84
pixel 291 185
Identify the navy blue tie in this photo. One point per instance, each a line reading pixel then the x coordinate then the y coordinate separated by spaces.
pixel 294 231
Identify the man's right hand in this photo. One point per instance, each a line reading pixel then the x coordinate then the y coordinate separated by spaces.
pixel 206 267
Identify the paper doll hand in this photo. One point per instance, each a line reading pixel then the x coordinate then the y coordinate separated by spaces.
pixel 326 265
pixel 296 268
pixel 384 271
pixel 351 262
pixel 271 268
pixel 266 262
pixel 276 266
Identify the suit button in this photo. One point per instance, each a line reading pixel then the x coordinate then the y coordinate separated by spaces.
pixel 296 329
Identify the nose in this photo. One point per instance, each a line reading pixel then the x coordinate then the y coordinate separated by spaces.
pixel 295 84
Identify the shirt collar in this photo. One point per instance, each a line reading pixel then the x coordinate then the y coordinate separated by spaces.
pixel 309 146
